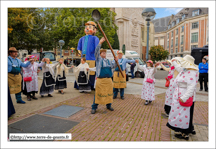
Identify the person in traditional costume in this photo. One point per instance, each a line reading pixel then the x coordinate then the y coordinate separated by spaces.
pixel 148 93
pixel 61 72
pixel 182 109
pixel 14 76
pixel 104 84
pixel 82 76
pixel 169 92
pixel 86 47
pixel 11 109
pixel 118 81
pixel 30 78
pixel 47 86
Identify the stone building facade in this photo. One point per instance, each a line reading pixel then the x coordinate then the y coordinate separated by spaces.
pixel 132 30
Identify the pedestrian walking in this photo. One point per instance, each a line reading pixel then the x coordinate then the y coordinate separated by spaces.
pixel 61 72
pixel 133 65
pixel 118 81
pixel 181 114
pixel 149 81
pixel 30 78
pixel 82 76
pixel 104 84
pixel 203 74
pixel 47 86
pixel 14 76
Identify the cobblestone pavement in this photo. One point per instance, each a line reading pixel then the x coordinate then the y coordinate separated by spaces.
pixel 130 121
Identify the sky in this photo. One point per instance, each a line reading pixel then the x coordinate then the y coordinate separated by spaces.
pixel 164 12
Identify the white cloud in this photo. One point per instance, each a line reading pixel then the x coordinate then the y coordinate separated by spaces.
pixel 173 10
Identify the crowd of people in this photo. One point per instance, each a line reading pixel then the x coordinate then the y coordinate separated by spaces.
pixel 107 80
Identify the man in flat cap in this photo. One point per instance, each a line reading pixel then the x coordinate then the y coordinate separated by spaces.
pixel 104 84
pixel 118 81
pixel 14 76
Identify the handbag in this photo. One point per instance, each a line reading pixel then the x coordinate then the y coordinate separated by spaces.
pixel 28 79
pixel 188 103
pixel 149 80
pixel 167 82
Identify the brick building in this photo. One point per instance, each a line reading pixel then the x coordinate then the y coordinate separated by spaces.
pixel 181 32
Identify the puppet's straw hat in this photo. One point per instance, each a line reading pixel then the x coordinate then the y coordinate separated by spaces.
pixel 103 50
pixel 91 23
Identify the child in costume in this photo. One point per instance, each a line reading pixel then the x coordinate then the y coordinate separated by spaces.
pixel 148 82
pixel 82 76
pixel 61 70
pixel 47 86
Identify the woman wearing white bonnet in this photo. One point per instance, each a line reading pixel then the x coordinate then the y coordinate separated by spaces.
pixel 181 114
pixel 169 92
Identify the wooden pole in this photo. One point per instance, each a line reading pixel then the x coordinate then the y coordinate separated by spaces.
pixel 110 48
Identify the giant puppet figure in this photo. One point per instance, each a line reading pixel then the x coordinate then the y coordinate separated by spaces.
pixel 86 47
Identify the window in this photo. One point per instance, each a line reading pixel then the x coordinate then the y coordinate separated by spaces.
pixel 168 26
pixel 183 16
pixel 167 44
pixel 193 46
pixel 142 35
pixel 182 29
pixel 176 41
pixel 181 55
pixel 173 23
pixel 194 37
pixel 181 49
pixel 177 21
pixel 182 39
pixel 172 34
pixel 195 25
pixel 171 57
pixel 168 36
pixel 172 43
pixel 176 50
pixel 176 31
pixel 195 12
pixel 66 51
pixel 171 50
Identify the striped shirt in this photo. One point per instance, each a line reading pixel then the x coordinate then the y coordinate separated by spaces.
pixel 99 60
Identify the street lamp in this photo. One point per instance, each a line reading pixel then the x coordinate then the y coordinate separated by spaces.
pixel 148 14
pixel 61 43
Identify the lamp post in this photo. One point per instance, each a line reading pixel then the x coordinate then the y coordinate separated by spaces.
pixel 61 43
pixel 148 14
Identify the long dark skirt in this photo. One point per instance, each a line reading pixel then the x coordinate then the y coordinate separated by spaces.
pixel 84 83
pixel 48 83
pixel 11 109
pixel 61 82
pixel 191 126
pixel 167 109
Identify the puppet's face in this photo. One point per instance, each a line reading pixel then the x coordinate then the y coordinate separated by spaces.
pixel 90 30
pixel 60 61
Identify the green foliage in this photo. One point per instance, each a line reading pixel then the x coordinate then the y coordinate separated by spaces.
pixel 157 53
pixel 123 48
pixel 116 42
pixel 30 28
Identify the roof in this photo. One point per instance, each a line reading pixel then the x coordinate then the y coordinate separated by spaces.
pixel 188 14
pixel 161 24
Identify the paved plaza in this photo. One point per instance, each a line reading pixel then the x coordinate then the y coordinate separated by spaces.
pixel 131 120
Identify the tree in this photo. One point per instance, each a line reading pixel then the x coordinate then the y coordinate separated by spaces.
pixel 68 24
pixel 157 53
pixel 116 42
